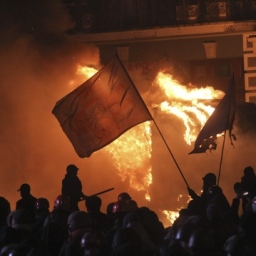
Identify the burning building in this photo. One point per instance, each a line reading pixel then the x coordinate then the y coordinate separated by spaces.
pixel 163 54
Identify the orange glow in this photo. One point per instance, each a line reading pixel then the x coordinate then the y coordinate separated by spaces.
pixel 86 71
pixel 186 103
pixel 131 152
pixel 171 216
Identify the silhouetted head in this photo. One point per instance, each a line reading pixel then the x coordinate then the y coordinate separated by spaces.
pixel 22 218
pixel 208 180
pixel 62 202
pixel 94 242
pixel 42 205
pixel 249 171
pixel 119 206
pixel 93 203
pixel 79 220
pixel 72 169
pixel 124 197
pixel 24 188
pixel 254 204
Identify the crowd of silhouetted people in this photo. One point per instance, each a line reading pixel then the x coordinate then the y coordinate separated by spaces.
pixel 208 226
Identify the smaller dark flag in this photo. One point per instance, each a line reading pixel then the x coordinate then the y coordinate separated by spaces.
pixel 222 119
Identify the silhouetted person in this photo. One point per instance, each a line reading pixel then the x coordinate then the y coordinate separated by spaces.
pixel 5 209
pixel 72 187
pixel 27 201
pixel 208 180
pixel 248 184
pixel 6 232
pixel 217 197
pixel 95 243
pixel 99 219
pixel 55 229
pixel 79 222
pixel 235 205
pixel 41 213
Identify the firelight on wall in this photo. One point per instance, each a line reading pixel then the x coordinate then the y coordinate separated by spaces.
pixel 210 48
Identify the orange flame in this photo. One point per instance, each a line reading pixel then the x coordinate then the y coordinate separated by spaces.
pixel 171 216
pixel 185 104
pixel 131 152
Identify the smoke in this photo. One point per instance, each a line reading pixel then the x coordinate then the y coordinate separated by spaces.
pixel 38 60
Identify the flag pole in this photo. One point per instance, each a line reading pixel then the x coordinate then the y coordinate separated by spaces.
pixel 153 121
pixel 224 139
pixel 171 153
pixel 221 157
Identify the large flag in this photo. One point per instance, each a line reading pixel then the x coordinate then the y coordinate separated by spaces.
pixel 222 119
pixel 101 109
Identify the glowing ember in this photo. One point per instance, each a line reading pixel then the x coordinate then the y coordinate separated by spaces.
pixel 184 103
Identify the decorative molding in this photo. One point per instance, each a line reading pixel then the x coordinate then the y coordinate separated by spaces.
pixel 247 44
pixel 250 81
pixel 249 61
pixel 250 97
pixel 210 49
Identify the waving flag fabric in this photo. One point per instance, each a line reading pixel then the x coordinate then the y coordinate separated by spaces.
pixel 222 119
pixel 101 109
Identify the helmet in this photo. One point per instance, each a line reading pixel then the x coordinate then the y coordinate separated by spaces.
pixel 93 239
pixel 78 219
pixel 184 231
pixel 42 204
pixel 132 205
pixel 62 202
pixel 72 168
pixel 199 241
pixel 21 217
pixel 124 197
pixel 254 204
pixel 239 245
pixel 119 206
pixel 210 177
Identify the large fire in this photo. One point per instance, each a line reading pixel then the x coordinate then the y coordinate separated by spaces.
pixel 131 152
pixel 187 103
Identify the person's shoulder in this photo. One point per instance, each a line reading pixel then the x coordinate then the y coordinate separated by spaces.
pixel 19 201
pixel 32 198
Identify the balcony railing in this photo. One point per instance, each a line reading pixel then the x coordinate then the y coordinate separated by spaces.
pixel 94 16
